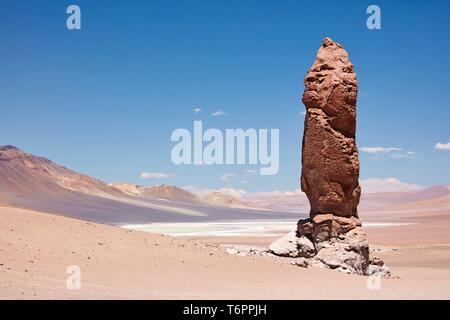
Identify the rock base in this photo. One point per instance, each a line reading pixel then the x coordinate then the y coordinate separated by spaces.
pixel 331 242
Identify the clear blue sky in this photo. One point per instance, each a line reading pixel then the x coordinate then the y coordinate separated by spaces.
pixel 104 100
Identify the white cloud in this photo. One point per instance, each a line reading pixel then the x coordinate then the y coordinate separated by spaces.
pixel 303 113
pixel 226 176
pixel 218 113
pixel 277 193
pixel 396 153
pixel 387 185
pixel 157 175
pixel 250 171
pixel 442 146
pixel 197 110
pixel 237 193
pixel 377 150
pixel 374 185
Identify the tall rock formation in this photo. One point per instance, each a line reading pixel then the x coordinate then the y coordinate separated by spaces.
pixel 333 236
pixel 330 165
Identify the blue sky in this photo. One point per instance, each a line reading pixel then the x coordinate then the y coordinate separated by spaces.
pixel 104 100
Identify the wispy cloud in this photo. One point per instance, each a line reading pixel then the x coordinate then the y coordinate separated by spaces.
pixel 387 185
pixel 303 113
pixel 442 146
pixel 250 171
pixel 237 193
pixel 218 113
pixel 392 152
pixel 373 185
pixel 226 176
pixel 157 175
pixel 197 110
pixel 278 193
pixel 378 150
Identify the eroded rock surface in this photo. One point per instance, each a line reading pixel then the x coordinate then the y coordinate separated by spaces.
pixel 332 237
pixel 290 245
pixel 330 165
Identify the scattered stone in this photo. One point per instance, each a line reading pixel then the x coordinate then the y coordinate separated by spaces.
pixel 350 255
pixel 286 246
pixel 231 251
pixel 290 245
pixel 376 261
pixel 305 227
pixel 305 247
pixel 300 262
pixel 379 271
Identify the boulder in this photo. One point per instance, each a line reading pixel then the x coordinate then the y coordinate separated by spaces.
pixel 290 245
pixel 379 271
pixel 286 246
pixel 349 254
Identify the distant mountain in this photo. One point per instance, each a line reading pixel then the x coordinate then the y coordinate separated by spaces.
pixel 37 183
pixel 162 191
pixel 33 182
pixel 23 174
pixel 297 202
pixel 222 199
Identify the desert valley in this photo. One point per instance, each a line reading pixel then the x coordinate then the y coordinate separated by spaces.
pixel 52 217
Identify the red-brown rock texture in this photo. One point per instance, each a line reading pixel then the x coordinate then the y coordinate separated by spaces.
pixel 332 237
pixel 330 165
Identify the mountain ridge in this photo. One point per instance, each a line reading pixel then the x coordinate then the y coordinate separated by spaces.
pixel 35 182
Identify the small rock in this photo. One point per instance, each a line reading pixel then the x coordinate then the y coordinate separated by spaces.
pixel 379 271
pixel 290 245
pixel 231 251
pixel 305 247
pixel 377 261
pixel 305 227
pixel 243 254
pixel 286 246
pixel 350 255
pixel 300 262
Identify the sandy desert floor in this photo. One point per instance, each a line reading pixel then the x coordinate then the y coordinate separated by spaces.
pixel 37 248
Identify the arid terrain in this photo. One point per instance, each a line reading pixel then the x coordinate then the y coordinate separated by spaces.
pixel 37 248
pixel 52 218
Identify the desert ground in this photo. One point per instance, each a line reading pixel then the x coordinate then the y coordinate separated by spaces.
pixel 36 249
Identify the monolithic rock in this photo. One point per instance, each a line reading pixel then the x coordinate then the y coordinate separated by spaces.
pixel 332 237
pixel 330 165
